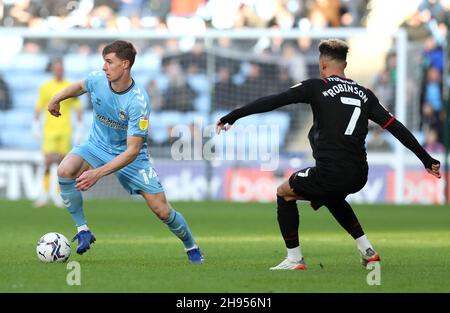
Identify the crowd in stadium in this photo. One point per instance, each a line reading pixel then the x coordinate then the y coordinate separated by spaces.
pixel 178 14
pixel 175 70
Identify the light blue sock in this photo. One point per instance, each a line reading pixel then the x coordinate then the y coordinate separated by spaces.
pixel 72 200
pixel 177 225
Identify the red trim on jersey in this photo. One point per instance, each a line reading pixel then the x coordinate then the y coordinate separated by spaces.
pixel 326 81
pixel 389 122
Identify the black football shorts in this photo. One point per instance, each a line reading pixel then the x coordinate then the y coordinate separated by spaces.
pixel 311 185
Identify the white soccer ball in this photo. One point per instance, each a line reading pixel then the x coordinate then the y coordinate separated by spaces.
pixel 53 247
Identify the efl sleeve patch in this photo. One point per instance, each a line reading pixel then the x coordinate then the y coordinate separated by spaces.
pixel 143 123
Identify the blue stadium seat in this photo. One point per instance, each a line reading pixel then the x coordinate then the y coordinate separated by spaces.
pixel 95 62
pixel 202 103
pixel 27 62
pixel 281 119
pixel 198 82
pixel 141 78
pixel 149 63
pixel 76 65
pixel 17 80
pixel 162 81
pixel 25 99
pixel 18 118
pixel 236 142
pixel 160 123
pixel 18 139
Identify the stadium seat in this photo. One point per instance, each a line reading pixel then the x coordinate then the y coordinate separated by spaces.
pixel 202 103
pixel 13 139
pixel 198 82
pixel 141 78
pixel 25 99
pixel 160 123
pixel 30 62
pixel 162 81
pixel 147 62
pixel 193 116
pixel 17 118
pixel 15 80
pixel 75 64
pixel 281 119
pixel 95 62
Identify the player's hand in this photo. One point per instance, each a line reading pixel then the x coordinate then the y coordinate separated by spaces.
pixel 220 126
pixel 54 108
pixel 87 180
pixel 434 169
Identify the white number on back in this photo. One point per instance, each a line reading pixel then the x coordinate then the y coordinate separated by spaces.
pixel 356 112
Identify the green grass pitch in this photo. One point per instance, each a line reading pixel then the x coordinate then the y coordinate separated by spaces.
pixel 135 252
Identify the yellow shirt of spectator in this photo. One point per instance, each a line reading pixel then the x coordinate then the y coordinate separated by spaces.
pixel 61 125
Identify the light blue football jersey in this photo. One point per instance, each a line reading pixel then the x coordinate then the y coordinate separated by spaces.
pixel 117 115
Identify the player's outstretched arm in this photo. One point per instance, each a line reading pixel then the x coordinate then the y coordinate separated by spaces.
pixel 74 90
pixel 261 105
pixel 400 132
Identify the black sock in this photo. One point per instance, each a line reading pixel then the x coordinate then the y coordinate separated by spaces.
pixel 288 219
pixel 343 213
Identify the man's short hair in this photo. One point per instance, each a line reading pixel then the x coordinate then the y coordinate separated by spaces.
pixel 124 50
pixel 334 49
pixel 52 61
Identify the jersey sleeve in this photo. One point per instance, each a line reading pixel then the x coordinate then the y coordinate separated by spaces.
pixel 378 113
pixel 42 99
pixel 91 79
pixel 300 93
pixel 138 113
pixel 304 92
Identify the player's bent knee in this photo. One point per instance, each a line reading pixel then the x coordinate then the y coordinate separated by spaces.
pixel 64 171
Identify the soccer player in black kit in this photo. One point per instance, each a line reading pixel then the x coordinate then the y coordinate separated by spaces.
pixel 341 110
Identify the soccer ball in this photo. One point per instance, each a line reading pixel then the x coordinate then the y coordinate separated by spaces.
pixel 53 247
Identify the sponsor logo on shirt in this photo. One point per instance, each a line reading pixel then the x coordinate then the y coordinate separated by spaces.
pixel 110 123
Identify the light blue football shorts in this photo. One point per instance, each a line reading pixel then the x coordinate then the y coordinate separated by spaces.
pixel 135 177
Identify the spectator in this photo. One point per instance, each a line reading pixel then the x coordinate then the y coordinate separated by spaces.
pixel 155 95
pixel 253 85
pixel 330 10
pixel 283 81
pixel 224 90
pixel 416 27
pixel 433 55
pixel 377 142
pixel 430 118
pixel 433 92
pixel 384 89
pixel 21 13
pixel 178 96
pixel 5 99
pixel 431 142
pixel 295 62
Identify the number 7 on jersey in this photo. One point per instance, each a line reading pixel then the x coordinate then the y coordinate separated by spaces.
pixel 356 112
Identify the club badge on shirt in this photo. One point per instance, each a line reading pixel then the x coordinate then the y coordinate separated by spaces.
pixel 143 123
pixel 122 115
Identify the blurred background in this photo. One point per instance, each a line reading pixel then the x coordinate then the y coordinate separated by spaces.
pixel 199 59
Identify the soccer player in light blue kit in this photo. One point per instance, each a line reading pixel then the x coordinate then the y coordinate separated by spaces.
pixel 116 144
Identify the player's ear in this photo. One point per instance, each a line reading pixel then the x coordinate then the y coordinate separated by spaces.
pixel 322 64
pixel 126 64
